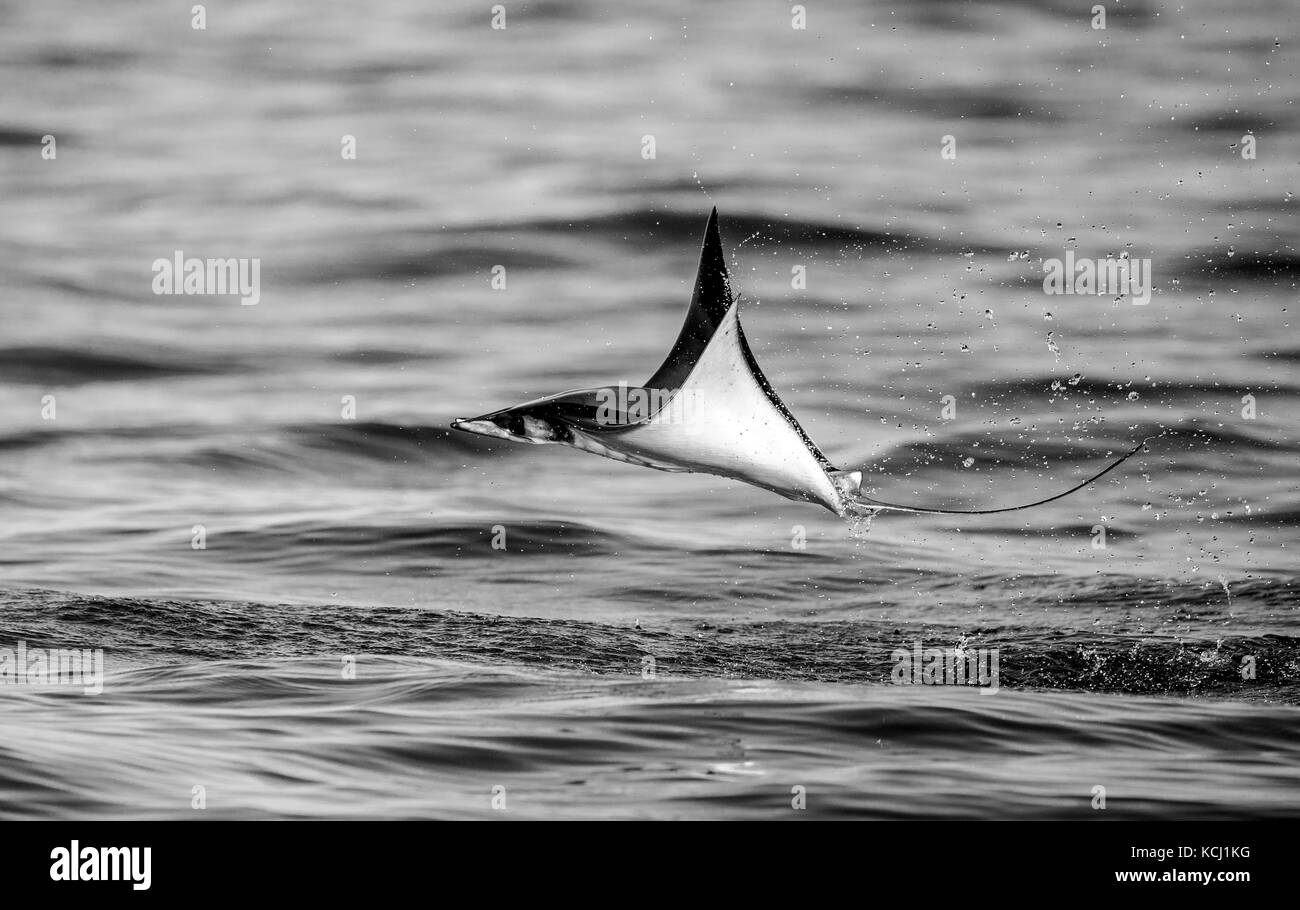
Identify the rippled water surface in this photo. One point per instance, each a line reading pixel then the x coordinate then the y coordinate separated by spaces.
pixel 647 644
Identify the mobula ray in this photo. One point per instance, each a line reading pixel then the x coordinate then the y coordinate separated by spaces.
pixel 708 409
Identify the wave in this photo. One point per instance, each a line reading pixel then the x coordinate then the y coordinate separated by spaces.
pixel 374 439
pixel 1244 265
pixel 1290 355
pixel 1189 445
pixel 1046 388
pixel 638 226
pixel 49 365
pixel 284 448
pixel 19 137
pixel 999 103
pixel 425 256
pixel 155 630
pixel 447 704
pixel 261 737
pixel 1236 122
pixel 414 549
pixel 962 16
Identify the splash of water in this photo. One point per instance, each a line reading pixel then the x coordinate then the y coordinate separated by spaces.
pixel 859 517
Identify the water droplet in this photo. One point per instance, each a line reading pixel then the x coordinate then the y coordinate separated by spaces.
pixel 1132 396
pixel 859 519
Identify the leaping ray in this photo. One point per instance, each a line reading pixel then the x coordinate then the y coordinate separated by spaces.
pixel 707 409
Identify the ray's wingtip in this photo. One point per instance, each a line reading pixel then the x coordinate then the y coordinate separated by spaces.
pixel 712 235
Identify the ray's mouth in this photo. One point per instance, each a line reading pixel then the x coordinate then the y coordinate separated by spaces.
pixel 515 426
pixel 480 427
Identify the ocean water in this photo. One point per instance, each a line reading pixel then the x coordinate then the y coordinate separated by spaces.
pixel 348 641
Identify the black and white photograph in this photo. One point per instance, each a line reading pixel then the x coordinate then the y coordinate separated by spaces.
pixel 569 411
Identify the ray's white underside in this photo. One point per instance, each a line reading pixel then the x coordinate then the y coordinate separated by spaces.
pixel 722 422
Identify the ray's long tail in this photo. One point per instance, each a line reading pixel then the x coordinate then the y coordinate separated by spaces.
pixel 856 502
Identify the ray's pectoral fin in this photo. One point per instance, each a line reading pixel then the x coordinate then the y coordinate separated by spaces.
pixel 710 302
pixel 618 407
pixel 711 408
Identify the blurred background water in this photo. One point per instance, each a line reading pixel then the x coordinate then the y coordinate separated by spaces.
pixel 522 147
